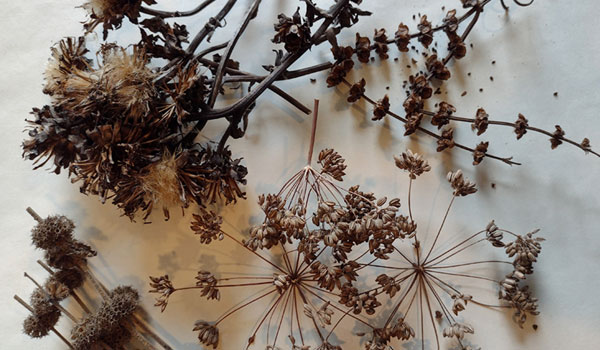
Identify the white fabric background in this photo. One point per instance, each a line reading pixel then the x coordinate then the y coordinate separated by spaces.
pixel 550 46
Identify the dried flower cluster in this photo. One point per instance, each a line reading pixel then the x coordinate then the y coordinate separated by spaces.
pixel 126 128
pixel 321 240
pixel 127 132
pixel 420 87
pixel 113 325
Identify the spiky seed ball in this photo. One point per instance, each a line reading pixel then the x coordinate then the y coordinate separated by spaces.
pixel 52 230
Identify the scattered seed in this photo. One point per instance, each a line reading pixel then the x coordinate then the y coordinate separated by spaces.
pixel 464 93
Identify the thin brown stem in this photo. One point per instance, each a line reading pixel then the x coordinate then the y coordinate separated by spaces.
pixel 456 246
pixel 244 305
pixel 252 11
pixel 313 131
pixel 253 252
pixel 460 250
pixel 286 62
pixel 440 230
pixel 437 339
pixel 471 263
pixel 465 275
pixel 169 14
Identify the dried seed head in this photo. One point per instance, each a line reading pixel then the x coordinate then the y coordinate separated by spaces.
pixel 480 152
pixel 437 68
pixel 72 277
pixel 426 31
pixel 161 183
pixel 207 225
pixel 414 163
pixel 129 79
pixel 52 231
pixel 332 163
pixel 39 326
pixel 380 43
pixel 442 116
pixel 207 334
pixel 207 283
pixel 106 321
pixel 381 108
pixel 164 287
pixel 293 32
pixel 557 137
pixel 68 57
pixel 356 91
pixel 402 37
pixel 458 330
pixel 521 126
pixel 481 121
pixel 362 49
pixel 111 13
pixel 493 235
pixel 56 290
pixel 460 184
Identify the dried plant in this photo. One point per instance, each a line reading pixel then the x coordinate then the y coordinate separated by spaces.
pixel 321 240
pixel 419 88
pixel 125 121
pixel 112 325
pixel 421 279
